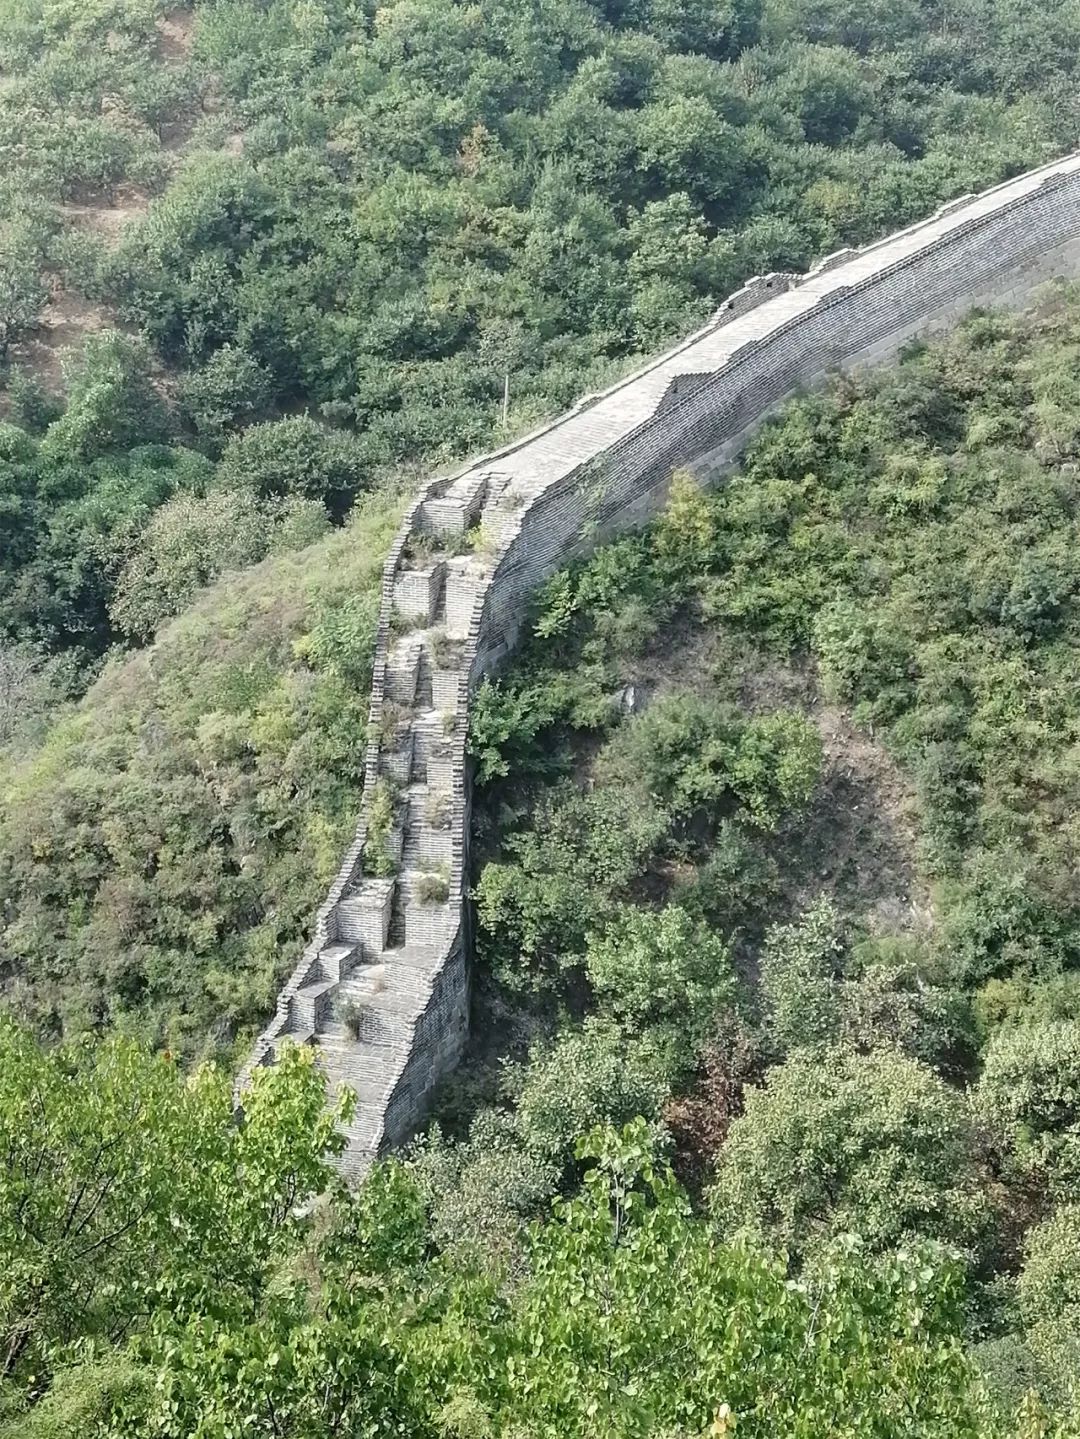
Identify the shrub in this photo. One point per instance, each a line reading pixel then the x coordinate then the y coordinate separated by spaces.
pixel 433 888
pixel 378 859
pixel 1050 1278
pixel 193 539
pixel 801 967
pixel 296 456
pixel 837 1142
pixel 661 966
pixel 1029 1093
pixel 230 390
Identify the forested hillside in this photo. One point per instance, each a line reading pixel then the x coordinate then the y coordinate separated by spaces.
pixel 773 886
pixel 780 840
pixel 373 215
pixel 259 259
pixel 769 1124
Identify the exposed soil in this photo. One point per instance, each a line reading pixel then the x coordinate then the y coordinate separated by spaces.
pixel 65 322
pixel 68 318
pixel 107 214
pixel 856 842
pixel 175 32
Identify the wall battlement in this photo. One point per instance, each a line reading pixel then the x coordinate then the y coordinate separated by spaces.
pixel 382 990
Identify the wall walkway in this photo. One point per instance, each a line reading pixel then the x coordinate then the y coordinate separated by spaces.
pixel 382 990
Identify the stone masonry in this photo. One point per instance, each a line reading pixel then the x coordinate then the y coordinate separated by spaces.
pixel 382 990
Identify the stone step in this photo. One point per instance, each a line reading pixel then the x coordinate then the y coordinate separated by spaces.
pixel 433 750
pixel 457 508
pixel 385 982
pixel 466 577
pixel 393 987
pixel 417 591
pixel 428 848
pixel 427 922
pixel 396 758
pixel 379 1030
pixel 366 1124
pixel 402 664
pixel 336 959
pixel 364 917
pixel 349 1060
pixel 369 1092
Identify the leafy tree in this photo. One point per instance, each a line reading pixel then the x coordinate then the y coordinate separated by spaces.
pixel 111 403
pixel 231 389
pixel 128 1191
pixel 193 539
pixel 589 1076
pixel 694 755
pixel 295 457
pixel 1028 1092
pixel 624 1275
pixel 1050 1279
pixel 800 968
pixel 837 1142
pixel 661 966
pixel 22 290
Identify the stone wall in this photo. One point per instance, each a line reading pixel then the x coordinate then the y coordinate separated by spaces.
pixel 382 990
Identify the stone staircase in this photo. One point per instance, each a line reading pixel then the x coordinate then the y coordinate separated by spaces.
pixel 383 937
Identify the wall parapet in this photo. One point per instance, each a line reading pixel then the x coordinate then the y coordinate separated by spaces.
pixel 382 989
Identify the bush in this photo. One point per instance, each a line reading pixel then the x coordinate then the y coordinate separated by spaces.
pixel 836 1142
pixel 1050 1278
pixel 433 889
pixel 296 457
pixel 193 539
pixel 1029 1093
pixel 801 966
pixel 230 390
pixel 592 1075
pixel 661 967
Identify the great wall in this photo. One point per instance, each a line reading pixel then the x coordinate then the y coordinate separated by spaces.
pixel 382 991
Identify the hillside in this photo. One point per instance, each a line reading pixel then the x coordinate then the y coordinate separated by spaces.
pixel 165 842
pixel 776 845
pixel 768 1125
pixel 376 216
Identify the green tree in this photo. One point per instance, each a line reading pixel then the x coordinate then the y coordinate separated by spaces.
pixel 230 390
pixel 128 1190
pixel 836 1142
pixel 22 289
pixel 295 457
pixel 1029 1092
pixel 661 967
pixel 801 965
pixel 194 538
pixel 637 1316
pixel 111 402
